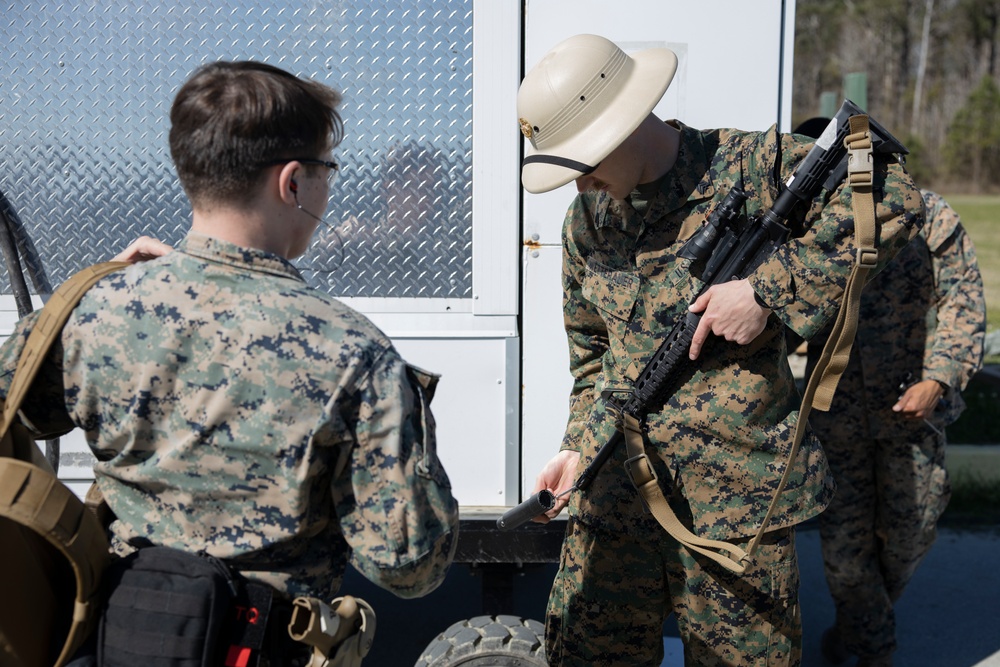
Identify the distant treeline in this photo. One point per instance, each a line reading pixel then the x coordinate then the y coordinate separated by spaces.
pixel 933 78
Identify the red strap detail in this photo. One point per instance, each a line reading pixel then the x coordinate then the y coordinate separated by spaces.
pixel 238 656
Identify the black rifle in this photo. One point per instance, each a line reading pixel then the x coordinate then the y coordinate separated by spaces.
pixel 731 248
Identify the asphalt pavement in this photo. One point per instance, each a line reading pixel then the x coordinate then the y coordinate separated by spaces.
pixel 949 616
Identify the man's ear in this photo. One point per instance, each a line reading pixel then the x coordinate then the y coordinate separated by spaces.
pixel 287 185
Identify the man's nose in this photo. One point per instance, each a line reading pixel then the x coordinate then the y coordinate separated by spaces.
pixel 584 183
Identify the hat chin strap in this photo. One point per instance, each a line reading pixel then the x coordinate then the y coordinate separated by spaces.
pixel 559 162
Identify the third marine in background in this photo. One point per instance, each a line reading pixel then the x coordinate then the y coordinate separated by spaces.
pixel 920 339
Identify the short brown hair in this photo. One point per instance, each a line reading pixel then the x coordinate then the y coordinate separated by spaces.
pixel 229 118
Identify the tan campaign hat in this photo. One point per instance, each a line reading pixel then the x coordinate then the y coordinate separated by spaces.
pixel 582 100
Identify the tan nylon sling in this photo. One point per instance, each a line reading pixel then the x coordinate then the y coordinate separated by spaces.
pixel 822 382
pixel 36 502
pixel 340 633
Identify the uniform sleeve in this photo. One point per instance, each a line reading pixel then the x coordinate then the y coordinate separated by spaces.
pixel 585 329
pixel 11 351
pixel 955 350
pixel 804 280
pixel 44 409
pixel 399 516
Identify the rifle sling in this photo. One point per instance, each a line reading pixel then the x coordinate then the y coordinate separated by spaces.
pixel 645 482
pixel 822 382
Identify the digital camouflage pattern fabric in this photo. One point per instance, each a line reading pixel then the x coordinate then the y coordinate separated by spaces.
pixel 608 603
pixel 923 318
pixel 723 435
pixel 234 409
pixel 721 440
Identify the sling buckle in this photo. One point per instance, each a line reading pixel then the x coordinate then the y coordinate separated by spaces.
pixel 867 258
pixel 639 470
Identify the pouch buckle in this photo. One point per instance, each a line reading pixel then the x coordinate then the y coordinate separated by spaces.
pixel 860 167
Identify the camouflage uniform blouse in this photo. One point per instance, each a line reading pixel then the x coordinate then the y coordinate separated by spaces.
pixel 923 318
pixel 234 409
pixel 722 438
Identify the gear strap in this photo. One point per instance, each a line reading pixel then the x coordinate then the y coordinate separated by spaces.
pixel 341 633
pixel 644 478
pixel 822 382
pixel 40 512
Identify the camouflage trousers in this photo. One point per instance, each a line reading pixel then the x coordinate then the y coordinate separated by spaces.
pixel 613 592
pixel 880 525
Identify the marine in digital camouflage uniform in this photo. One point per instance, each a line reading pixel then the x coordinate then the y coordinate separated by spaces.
pixel 920 339
pixel 722 438
pixel 232 408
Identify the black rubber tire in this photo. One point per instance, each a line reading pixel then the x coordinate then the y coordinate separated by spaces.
pixel 500 641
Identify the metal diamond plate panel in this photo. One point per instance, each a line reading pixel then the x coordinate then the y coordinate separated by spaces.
pixel 85 89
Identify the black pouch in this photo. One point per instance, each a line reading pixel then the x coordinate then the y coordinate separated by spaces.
pixel 171 608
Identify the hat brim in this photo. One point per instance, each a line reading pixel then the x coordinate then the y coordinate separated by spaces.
pixel 651 75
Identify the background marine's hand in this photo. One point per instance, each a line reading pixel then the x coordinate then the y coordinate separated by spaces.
pixel 142 249
pixel 919 400
pixel 728 310
pixel 557 476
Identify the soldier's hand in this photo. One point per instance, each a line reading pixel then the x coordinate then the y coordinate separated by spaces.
pixel 143 248
pixel 557 476
pixel 728 310
pixel 919 400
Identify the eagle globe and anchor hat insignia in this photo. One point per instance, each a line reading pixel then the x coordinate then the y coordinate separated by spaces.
pixel 526 129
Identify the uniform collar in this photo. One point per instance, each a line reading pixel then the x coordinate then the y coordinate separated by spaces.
pixel 229 254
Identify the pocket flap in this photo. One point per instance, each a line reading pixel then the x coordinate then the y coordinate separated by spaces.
pixel 611 290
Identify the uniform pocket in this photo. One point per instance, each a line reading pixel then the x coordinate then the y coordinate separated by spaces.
pixel 613 292
pixel 778 550
pixel 667 289
pixel 784 563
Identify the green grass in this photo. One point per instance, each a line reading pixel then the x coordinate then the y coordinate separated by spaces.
pixel 981 219
pixel 974 500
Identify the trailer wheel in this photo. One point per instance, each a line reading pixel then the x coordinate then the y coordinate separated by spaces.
pixel 500 641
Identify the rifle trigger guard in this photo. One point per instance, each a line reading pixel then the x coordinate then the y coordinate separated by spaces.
pixel 612 393
pixel 615 397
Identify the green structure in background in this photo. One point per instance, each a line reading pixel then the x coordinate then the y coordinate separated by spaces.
pixel 828 103
pixel 855 89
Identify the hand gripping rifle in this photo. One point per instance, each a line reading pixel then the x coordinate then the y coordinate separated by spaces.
pixel 731 248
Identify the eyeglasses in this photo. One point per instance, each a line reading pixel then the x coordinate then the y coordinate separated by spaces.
pixel 331 176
